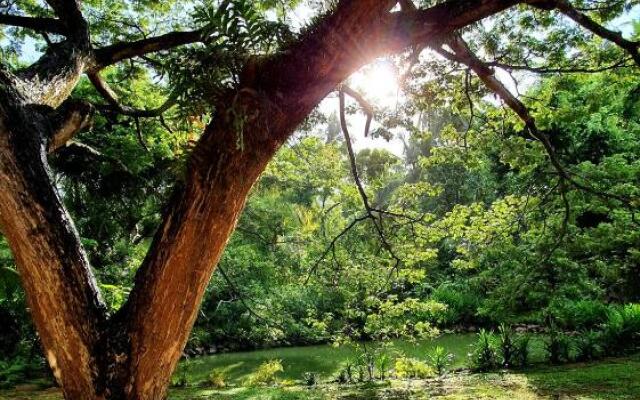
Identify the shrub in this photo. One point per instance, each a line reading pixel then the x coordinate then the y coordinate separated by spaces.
pixel 579 315
pixel 217 378
pixel 522 350
pixel 310 378
pixel 265 374
pixel 622 329
pixel 484 355
pixel 506 345
pixel 439 359
pixel 461 305
pixel 15 371
pixel 587 345
pixel 360 369
pixel 411 368
pixel 558 346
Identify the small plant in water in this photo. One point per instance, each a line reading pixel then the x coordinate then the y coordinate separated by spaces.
pixel 440 359
pixel 382 365
pixel 507 345
pixel 484 354
pixel 411 368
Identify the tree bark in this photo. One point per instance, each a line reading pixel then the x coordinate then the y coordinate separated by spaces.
pixel 133 354
pixel 62 295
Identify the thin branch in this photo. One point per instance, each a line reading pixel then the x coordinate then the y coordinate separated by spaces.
pixel 111 97
pixel 588 23
pixel 463 54
pixel 366 106
pixel 249 309
pixel 331 245
pixel 559 70
pixel 377 221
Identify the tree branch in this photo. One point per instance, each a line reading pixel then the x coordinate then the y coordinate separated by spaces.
pixel 588 23
pixel 38 24
pixel 121 51
pixel 463 54
pixel 377 221
pixel 71 118
pixel 111 97
pixel 559 70
pixel 71 17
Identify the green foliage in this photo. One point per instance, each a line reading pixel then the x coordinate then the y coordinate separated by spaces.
pixel 439 359
pixel 507 345
pixel 522 350
pixel 411 368
pixel 558 347
pixel 588 345
pixel 579 315
pixel 484 355
pixel 217 378
pixel 265 374
pixel 621 331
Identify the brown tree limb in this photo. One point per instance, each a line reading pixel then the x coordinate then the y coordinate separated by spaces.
pixel 366 106
pixel 71 118
pixel 39 24
pixel 117 52
pixel 376 220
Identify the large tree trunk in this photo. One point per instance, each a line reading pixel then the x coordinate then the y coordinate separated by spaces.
pixel 62 294
pixel 132 354
pixel 173 278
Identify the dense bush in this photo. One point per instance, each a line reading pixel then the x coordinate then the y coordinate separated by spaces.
pixel 588 345
pixel 579 315
pixel 522 349
pixel 217 378
pixel 621 331
pixel 462 305
pixel 506 345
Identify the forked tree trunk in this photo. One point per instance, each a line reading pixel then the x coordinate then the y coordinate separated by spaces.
pixel 132 354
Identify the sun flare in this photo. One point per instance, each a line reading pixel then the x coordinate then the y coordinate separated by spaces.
pixel 378 82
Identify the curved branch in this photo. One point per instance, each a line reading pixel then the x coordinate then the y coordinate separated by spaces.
pixel 591 25
pixel 463 54
pixel 115 53
pixel 71 118
pixel 111 97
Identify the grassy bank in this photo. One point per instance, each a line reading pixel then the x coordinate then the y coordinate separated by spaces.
pixel 605 380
